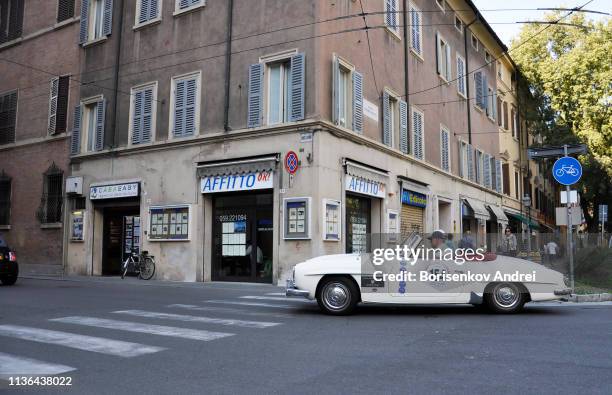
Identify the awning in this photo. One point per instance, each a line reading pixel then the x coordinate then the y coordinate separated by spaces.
pixel 521 218
pixel 499 214
pixel 365 172
pixel 224 168
pixel 479 209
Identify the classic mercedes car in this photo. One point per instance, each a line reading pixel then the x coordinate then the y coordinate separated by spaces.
pixel 502 284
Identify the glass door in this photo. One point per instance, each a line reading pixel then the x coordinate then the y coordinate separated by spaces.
pixel 358 223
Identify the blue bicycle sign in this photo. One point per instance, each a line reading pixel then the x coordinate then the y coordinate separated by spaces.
pixel 567 170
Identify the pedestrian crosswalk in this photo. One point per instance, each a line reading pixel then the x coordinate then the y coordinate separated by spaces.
pixel 72 332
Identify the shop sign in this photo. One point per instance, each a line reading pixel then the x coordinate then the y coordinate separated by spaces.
pixel 238 182
pixel 365 186
pixel 412 198
pixel 115 191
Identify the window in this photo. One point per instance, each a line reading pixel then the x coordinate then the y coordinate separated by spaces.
pixel 474 42
pixel 143 114
pixel 5 199
pixel 506 178
pixel 505 111
pixel 461 76
pixel 50 209
pixel 480 86
pixel 486 170
pixel 395 121
pixel 96 20
pixel 443 58
pixel 88 128
pixel 497 174
pixel 417 134
pixel 458 24
pixel 348 96
pixel 58 105
pixel 470 163
pixel 488 58
pixel 185 105
pixel 440 4
pixel 65 10
pixel 11 20
pixel 499 70
pixel 188 5
pixel 8 117
pixel 514 122
pixel 416 30
pixel 479 167
pixel 277 88
pixel 491 102
pixel 444 149
pixel 392 15
pixel 148 11
pixel 463 159
pixel 499 112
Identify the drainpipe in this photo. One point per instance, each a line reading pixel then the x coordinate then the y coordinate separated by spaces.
pixel 117 63
pixel 467 78
pixel 406 55
pixel 228 64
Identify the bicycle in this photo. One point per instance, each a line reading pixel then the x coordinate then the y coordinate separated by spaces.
pixel 143 264
pixel 571 170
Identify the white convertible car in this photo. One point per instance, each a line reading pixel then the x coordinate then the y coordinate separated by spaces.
pixel 501 283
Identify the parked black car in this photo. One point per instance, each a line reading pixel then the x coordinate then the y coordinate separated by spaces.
pixel 9 269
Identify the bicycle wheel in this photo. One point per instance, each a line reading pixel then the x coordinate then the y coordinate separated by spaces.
pixel 147 269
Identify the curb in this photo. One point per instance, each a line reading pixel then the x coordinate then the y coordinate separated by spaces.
pixel 602 297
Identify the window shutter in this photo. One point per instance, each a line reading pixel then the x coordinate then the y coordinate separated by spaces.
pixel 357 102
pixel 147 116
pixel 15 22
pixel 494 103
pixel 484 94
pixel 179 108
pixel 470 162
pixel 52 124
pixel 444 149
pixel 478 88
pixel 137 119
pixel 153 9
pixel 65 10
pixel 100 118
pixel 108 17
pixel 487 170
pixel 298 85
pixel 255 99
pixel 438 54
pixel 144 12
pixel 389 14
pixel 448 63
pixel 386 119
pixel 75 140
pixel 191 92
pixel 415 19
pixel 461 159
pixel 417 130
pixel 461 76
pixel 84 31
pixel 498 175
pixel 336 91
pixel 403 123
pixel 499 111
pixel 62 105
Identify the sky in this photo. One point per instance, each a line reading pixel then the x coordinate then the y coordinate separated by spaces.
pixel 507 31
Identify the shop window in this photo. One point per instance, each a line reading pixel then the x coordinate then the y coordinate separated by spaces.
pixel 5 199
pixel 297 218
pixel 8 117
pixel 50 209
pixel 11 20
pixel 77 219
pixel 169 223
pixel 65 10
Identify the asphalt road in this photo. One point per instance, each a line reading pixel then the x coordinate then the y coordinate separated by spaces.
pixel 132 337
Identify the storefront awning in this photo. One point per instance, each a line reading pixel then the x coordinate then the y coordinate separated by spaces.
pixel 479 209
pixel 499 214
pixel 253 165
pixel 521 218
pixel 365 172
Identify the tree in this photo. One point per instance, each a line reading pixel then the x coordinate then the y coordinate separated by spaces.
pixel 569 85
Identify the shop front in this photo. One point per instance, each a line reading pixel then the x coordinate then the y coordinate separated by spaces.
pixel 365 193
pixel 412 213
pixel 474 217
pixel 495 227
pixel 242 220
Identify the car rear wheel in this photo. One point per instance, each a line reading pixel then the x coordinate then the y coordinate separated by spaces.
pixel 9 280
pixel 505 298
pixel 338 296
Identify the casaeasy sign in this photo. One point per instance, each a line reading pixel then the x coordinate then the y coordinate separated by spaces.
pixel 414 198
pixel 114 191
pixel 238 182
pixel 365 186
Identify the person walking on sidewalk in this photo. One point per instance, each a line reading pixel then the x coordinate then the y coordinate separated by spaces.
pixel 509 243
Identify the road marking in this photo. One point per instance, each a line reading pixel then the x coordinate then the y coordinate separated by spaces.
pixel 569 304
pixel 12 365
pixel 278 306
pixel 193 318
pixel 282 299
pixel 161 330
pixel 80 342
pixel 228 310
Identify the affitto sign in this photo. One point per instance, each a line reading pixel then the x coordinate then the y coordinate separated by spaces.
pixel 114 191
pixel 365 186
pixel 238 182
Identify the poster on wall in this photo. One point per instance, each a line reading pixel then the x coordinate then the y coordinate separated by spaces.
pixel 297 218
pixel 331 220
pixel 76 228
pixel 170 223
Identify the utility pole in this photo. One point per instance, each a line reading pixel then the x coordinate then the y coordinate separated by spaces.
pixel 570 247
pixel 527 204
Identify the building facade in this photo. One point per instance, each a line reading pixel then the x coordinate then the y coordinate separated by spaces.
pixel 39 62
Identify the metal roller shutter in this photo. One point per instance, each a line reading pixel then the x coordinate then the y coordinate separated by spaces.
pixel 412 219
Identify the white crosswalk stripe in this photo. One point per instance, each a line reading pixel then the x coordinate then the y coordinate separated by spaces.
pixel 253 304
pixel 161 330
pixel 279 298
pixel 193 318
pixel 80 342
pixel 12 365
pixel 228 310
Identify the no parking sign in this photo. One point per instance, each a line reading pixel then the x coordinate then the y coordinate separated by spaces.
pixel 291 162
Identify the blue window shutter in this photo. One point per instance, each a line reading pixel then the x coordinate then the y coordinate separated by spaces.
pixel 357 102
pixel 336 91
pixel 417 132
pixel 84 31
pixel 100 117
pixel 298 86
pixel 137 120
pixel 494 104
pixel 461 158
pixel 108 17
pixel 191 93
pixel 485 93
pixel 153 9
pixel 470 162
pixel 255 100
pixel 179 109
pixel 386 119
pixel 444 150
pixel 75 140
pixel 478 88
pixel 498 175
pixel 144 12
pixel 147 115
pixel 403 124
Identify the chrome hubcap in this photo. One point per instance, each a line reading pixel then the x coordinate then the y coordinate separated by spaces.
pixel 336 296
pixel 506 296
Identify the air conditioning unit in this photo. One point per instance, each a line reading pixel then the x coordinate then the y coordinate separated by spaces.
pixel 74 185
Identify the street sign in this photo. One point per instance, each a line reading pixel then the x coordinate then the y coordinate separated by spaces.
pixel 291 162
pixel 603 213
pixel 573 197
pixel 561 216
pixel 553 152
pixel 567 170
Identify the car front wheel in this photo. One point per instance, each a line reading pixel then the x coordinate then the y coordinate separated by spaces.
pixel 338 296
pixel 505 298
pixel 9 280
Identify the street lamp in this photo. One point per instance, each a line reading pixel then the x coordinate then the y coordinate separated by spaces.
pixel 527 203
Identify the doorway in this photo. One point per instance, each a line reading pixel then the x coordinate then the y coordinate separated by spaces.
pixel 243 237
pixel 121 237
pixel 358 223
